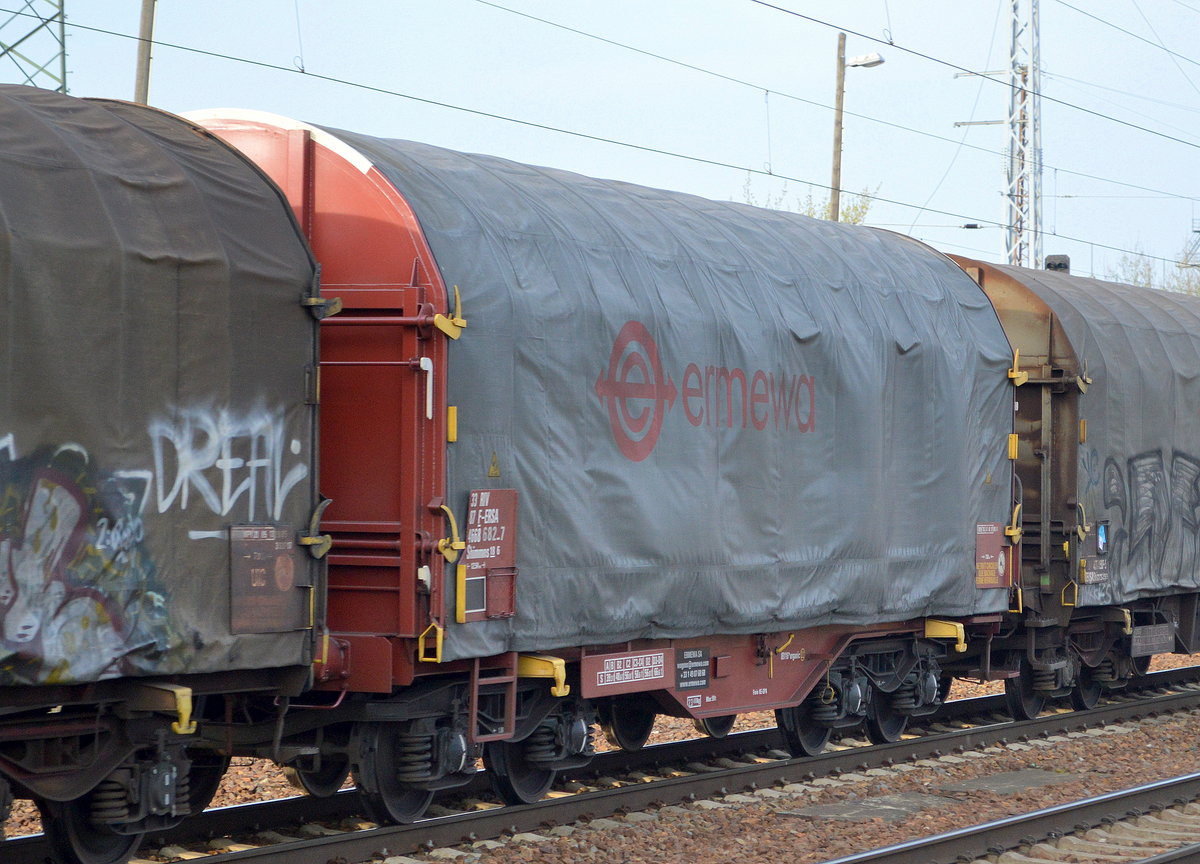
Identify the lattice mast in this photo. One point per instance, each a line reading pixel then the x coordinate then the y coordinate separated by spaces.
pixel 33 41
pixel 1024 194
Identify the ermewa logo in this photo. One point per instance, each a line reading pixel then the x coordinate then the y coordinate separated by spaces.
pixel 639 394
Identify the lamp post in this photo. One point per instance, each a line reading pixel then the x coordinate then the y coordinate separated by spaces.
pixel 866 61
pixel 141 84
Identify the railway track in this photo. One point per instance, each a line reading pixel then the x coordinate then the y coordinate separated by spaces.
pixel 313 831
pixel 1155 822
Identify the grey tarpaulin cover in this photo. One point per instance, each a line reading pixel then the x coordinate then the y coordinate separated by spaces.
pixel 719 419
pixel 152 391
pixel 1140 467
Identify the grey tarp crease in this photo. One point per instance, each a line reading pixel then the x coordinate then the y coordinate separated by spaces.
pixel 152 280
pixel 722 526
pixel 1140 466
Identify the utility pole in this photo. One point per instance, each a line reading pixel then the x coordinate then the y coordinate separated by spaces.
pixel 866 61
pixel 835 183
pixel 34 40
pixel 1024 193
pixel 141 86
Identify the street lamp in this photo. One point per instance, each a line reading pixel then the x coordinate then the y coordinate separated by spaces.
pixel 866 61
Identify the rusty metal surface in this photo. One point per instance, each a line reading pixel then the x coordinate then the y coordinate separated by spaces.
pixel 1046 423
pixel 1125 360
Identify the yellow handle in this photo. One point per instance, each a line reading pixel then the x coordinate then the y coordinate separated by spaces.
pixel 452 545
pixel 452 325
pixel 1014 531
pixel 423 655
pixel 318 544
pixel 1083 528
pixel 1018 377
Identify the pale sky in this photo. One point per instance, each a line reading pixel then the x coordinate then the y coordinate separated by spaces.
pixel 900 140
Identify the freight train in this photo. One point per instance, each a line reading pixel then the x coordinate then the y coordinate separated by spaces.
pixel 588 453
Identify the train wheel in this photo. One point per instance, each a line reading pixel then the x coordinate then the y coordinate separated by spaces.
pixel 884 723
pixel 399 805
pixel 319 782
pixel 384 797
pixel 1024 703
pixel 516 779
pixel 802 736
pixel 1086 692
pixel 322 775
pixel 204 778
pixel 75 837
pixel 627 722
pixel 715 727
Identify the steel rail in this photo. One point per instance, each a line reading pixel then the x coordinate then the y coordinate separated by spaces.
pixel 977 841
pixel 1183 853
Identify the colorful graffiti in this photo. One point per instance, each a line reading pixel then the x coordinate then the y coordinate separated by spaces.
pixel 79 595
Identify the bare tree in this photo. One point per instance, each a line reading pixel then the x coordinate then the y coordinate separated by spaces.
pixel 1137 269
pixel 854 208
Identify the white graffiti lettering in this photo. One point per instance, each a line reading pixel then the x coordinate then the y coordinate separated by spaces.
pixel 118 537
pixel 229 463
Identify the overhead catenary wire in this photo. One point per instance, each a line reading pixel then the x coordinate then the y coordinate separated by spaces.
pixel 262 64
pixel 1129 33
pixel 299 59
pixel 959 143
pixel 1075 84
pixel 1140 96
pixel 1170 53
pixel 966 129
pixel 921 54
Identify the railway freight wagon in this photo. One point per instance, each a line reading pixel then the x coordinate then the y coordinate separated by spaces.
pixel 1107 455
pixel 588 452
pixel 600 450
pixel 157 462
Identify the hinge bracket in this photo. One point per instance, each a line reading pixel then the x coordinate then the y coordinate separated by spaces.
pixel 452 325
pixel 322 307
pixel 1014 531
pixel 450 546
pixel 1015 375
pixel 317 544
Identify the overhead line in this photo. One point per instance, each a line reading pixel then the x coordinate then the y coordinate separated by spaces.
pixel 1172 54
pixel 262 64
pixel 1177 105
pixel 956 67
pixel 750 84
pixel 1150 42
